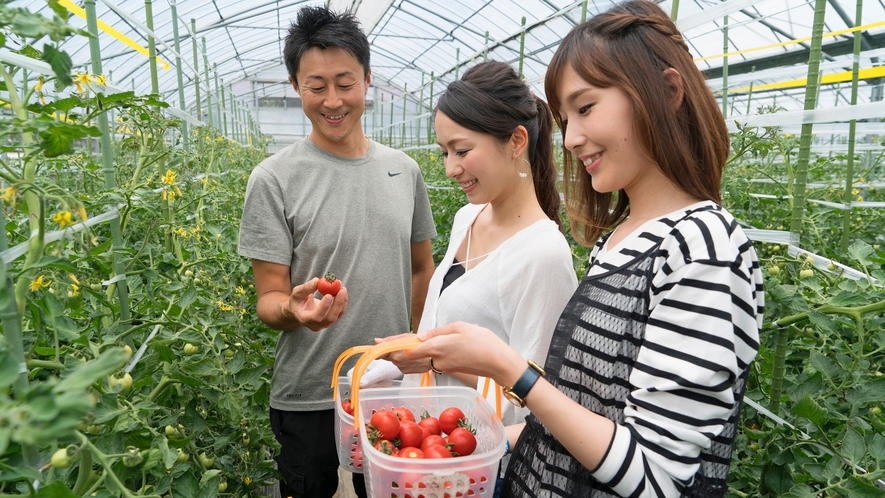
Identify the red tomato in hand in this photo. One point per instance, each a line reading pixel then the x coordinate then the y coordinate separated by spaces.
pixel 404 414
pixel 409 434
pixel 433 441
pixel 450 418
pixel 437 451
pixel 386 423
pixel 410 452
pixel 463 441
pixel 329 285
pixel 347 407
pixel 430 423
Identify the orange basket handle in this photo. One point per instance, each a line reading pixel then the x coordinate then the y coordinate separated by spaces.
pixel 367 357
pixel 485 392
pixel 336 371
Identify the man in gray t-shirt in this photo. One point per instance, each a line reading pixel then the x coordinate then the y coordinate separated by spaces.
pixel 332 202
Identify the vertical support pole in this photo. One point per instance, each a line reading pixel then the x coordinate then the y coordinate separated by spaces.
pixel 848 197
pixel 224 109
pixel 430 109
pixel 381 133
pixel 521 47
pixel 219 101
pixel 390 125
pixel 457 61
pixel 674 11
pixel 750 93
pixel 485 51
pixel 108 166
pixel 185 138
pixel 420 112
pixel 208 87
pixel 402 138
pixel 196 78
pixel 584 11
pixel 152 46
pixel 725 67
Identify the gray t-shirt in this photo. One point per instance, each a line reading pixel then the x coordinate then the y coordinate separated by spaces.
pixel 355 217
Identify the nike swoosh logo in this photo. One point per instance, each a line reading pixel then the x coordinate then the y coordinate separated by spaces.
pixel 394 174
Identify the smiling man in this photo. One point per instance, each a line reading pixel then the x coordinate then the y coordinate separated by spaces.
pixel 335 202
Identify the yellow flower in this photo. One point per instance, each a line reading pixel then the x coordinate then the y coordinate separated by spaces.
pixel 73 277
pixel 39 283
pixel 240 290
pixel 855 191
pixel 39 85
pixel 81 80
pixel 247 481
pixel 220 139
pixel 63 218
pixel 168 178
pixel 243 311
pixel 100 79
pixel 859 198
pixel 75 290
pixel 9 195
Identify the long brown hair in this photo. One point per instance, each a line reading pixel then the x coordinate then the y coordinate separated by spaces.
pixel 491 98
pixel 628 47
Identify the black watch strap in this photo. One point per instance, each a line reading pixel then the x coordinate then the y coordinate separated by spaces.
pixel 527 380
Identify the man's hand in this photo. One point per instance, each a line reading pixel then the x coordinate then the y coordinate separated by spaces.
pixel 307 310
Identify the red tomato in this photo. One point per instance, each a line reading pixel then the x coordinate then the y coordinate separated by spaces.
pixel 430 423
pixel 404 414
pixel 424 433
pixel 386 423
pixel 329 285
pixel 433 440
pixel 347 407
pixel 386 447
pixel 437 451
pixel 463 441
pixel 450 418
pixel 410 452
pixel 409 434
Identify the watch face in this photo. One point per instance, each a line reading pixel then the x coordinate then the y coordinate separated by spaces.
pixel 514 399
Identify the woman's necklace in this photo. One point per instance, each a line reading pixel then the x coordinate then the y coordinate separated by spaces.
pixel 467 254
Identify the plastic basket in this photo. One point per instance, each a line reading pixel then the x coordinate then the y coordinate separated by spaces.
pixel 346 429
pixel 346 436
pixel 471 475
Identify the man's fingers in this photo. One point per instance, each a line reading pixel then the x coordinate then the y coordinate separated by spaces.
pixel 299 292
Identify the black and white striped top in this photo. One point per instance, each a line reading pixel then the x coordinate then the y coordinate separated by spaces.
pixel 658 338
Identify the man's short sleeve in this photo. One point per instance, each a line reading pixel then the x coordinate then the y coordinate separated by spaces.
pixel 423 227
pixel 264 230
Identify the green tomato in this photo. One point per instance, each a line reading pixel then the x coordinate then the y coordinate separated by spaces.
pixel 173 432
pixel 128 351
pixel 95 286
pixel 222 486
pixel 191 349
pixel 229 353
pixel 246 439
pixel 64 457
pixel 94 429
pixel 125 382
pixel 188 273
pixel 831 267
pixel 132 457
pixel 182 456
pixel 806 273
pixel 876 411
pixel 773 270
pixel 206 460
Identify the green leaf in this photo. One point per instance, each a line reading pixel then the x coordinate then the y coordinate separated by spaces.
pixel 871 391
pixel 860 251
pixel 169 455
pixel 61 63
pixel 853 447
pixel 811 386
pixel 5 436
pixel 808 408
pixel 204 366
pixel 151 458
pixel 187 297
pixel 58 9
pixel 857 488
pixel 8 368
pixel 186 486
pixel 801 491
pixel 777 479
pixel 783 293
pixel 834 469
pixel 824 365
pixel 88 373
pixel 209 475
pixel 55 490
pixel 877 447
pixel 845 298
pixel 822 321
pixel 55 262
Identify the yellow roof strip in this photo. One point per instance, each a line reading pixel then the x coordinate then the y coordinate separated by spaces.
pixel 793 42
pixel 107 28
pixel 873 72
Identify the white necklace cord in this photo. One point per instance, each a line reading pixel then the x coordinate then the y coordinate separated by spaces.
pixel 467 255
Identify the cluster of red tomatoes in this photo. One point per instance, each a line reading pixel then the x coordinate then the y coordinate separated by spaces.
pixel 397 432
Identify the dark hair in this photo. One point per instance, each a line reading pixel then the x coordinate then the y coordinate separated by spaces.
pixel 321 28
pixel 628 47
pixel 491 98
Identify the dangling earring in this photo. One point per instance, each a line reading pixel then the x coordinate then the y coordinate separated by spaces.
pixel 523 174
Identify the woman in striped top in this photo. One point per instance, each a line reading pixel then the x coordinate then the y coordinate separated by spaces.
pixel 647 367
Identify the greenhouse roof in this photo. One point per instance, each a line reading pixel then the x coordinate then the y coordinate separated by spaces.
pixel 767 43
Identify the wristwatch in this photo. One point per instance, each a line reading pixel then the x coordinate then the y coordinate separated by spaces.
pixel 520 390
